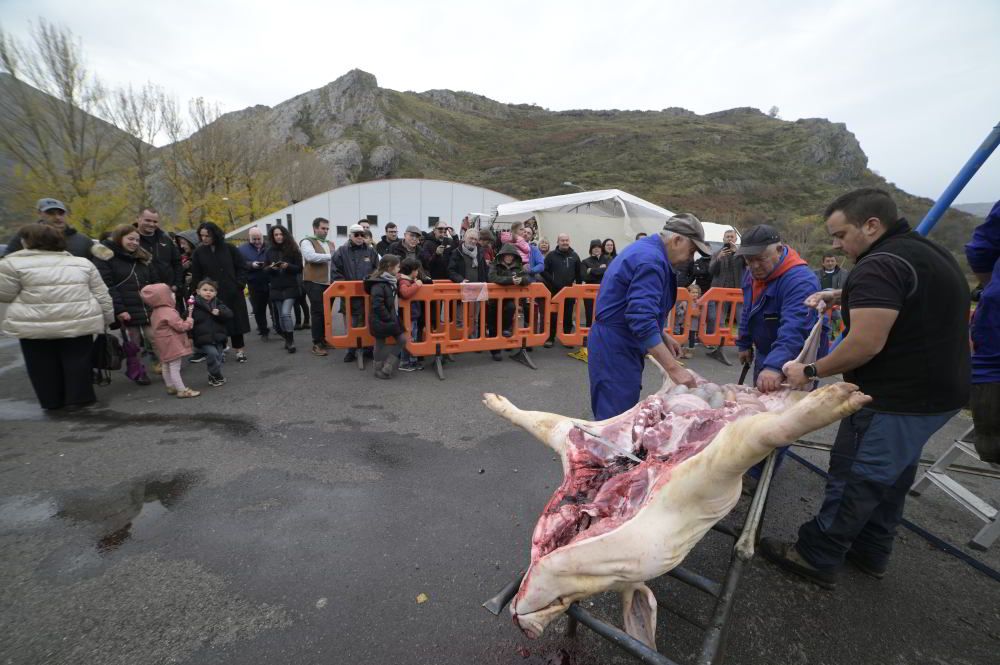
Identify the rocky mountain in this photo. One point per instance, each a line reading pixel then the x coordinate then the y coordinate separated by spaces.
pixel 730 166
pixel 977 209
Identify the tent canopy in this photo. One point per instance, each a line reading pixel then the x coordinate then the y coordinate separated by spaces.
pixel 605 213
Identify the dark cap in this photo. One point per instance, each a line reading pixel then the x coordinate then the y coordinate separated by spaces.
pixel 687 225
pixel 44 205
pixel 757 239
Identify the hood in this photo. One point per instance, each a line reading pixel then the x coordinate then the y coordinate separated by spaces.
pixel 101 251
pixel 508 248
pixel 157 295
pixel 790 260
pixel 370 282
pixel 191 236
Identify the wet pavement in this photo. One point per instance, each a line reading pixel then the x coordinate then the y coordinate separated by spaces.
pixel 301 512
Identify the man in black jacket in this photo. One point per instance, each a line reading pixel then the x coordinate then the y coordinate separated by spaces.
pixel 436 252
pixel 354 261
pixel 390 237
pixel 562 268
pixel 53 212
pixel 166 255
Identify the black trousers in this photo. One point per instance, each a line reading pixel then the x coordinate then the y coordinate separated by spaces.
pixel 314 292
pixel 260 303
pixel 985 404
pixel 301 309
pixel 568 308
pixel 60 370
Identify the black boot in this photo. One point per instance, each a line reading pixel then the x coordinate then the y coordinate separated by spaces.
pixel 289 342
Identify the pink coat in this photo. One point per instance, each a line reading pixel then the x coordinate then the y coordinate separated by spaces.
pixel 170 338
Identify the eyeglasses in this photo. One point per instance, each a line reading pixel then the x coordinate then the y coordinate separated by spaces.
pixel 358 235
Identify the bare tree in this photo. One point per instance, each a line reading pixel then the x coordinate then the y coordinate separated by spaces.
pixel 138 113
pixel 48 123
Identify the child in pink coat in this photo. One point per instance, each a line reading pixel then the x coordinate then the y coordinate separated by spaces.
pixel 514 237
pixel 170 338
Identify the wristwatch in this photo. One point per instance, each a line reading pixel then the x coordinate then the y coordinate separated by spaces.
pixel 810 371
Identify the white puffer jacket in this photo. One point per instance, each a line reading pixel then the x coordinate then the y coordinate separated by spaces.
pixel 52 295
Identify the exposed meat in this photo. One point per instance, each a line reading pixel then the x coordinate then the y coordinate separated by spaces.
pixel 614 523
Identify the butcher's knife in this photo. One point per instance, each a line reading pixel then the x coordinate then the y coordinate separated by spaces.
pixel 743 374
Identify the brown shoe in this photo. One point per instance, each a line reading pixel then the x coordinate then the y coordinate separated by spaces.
pixel 318 350
pixel 784 555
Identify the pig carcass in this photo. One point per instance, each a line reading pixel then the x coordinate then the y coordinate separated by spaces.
pixel 615 523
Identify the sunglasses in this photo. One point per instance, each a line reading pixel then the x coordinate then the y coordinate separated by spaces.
pixel 358 235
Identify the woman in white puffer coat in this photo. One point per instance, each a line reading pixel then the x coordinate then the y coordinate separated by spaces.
pixel 58 302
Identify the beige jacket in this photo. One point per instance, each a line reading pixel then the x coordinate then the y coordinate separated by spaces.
pixel 52 295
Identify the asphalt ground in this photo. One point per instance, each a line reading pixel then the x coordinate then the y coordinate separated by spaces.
pixel 301 512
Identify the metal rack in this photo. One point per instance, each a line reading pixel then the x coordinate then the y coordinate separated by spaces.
pixel 723 593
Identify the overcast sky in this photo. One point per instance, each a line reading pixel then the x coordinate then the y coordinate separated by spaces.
pixel 918 82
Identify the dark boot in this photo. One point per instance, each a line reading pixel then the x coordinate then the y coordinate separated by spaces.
pixel 389 366
pixel 289 342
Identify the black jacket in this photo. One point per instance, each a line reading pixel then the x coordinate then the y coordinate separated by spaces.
pixel 125 274
pixel 166 257
pixel 593 268
pixel 460 268
pixel 77 243
pixel 284 282
pixel 501 273
pixel 224 264
pixel 383 320
pixel 353 262
pixel 562 269
pixel 208 329
pixel 383 245
pixel 435 264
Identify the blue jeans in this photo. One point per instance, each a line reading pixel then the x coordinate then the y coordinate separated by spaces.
pixel 286 312
pixel 872 465
pixel 214 358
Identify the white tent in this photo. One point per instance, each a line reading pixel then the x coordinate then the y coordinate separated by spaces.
pixel 605 213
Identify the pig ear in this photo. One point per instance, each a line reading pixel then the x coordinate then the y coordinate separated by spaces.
pixel 549 428
pixel 639 607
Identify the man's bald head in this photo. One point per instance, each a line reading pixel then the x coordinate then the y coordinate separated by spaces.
pixel 256 237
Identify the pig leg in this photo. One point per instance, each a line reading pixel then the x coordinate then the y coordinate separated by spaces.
pixel 639 608
pixel 549 428
pixel 743 443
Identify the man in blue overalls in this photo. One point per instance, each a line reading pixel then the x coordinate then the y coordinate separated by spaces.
pixel 637 291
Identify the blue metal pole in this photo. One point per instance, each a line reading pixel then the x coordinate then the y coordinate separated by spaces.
pixel 980 156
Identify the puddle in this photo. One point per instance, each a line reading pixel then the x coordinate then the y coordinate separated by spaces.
pixel 14 409
pixel 127 510
pixel 108 419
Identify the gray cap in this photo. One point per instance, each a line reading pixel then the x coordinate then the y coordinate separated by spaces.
pixel 687 225
pixel 757 239
pixel 355 228
pixel 415 230
pixel 44 205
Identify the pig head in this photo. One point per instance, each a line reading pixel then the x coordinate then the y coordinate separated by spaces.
pixel 615 523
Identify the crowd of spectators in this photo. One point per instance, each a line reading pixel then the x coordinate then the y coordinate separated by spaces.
pixel 209 283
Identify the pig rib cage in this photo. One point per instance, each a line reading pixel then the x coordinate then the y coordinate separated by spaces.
pixel 724 593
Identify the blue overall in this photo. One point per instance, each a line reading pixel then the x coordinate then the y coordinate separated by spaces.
pixel 637 291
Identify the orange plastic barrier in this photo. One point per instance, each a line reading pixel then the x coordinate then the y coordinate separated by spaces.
pixel 581 294
pixel 355 337
pixel 443 308
pixel 681 323
pixel 723 322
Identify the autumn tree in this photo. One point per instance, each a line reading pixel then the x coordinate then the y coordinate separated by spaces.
pixel 49 126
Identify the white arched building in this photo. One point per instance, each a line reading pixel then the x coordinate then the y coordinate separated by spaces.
pixel 404 201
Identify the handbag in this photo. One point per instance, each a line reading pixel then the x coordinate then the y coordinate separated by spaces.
pixel 108 353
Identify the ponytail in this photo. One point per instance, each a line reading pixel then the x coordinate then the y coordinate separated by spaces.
pixel 384 264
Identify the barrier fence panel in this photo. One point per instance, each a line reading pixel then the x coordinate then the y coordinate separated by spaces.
pixel 354 305
pixel 583 297
pixel 450 322
pixel 680 316
pixel 718 310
